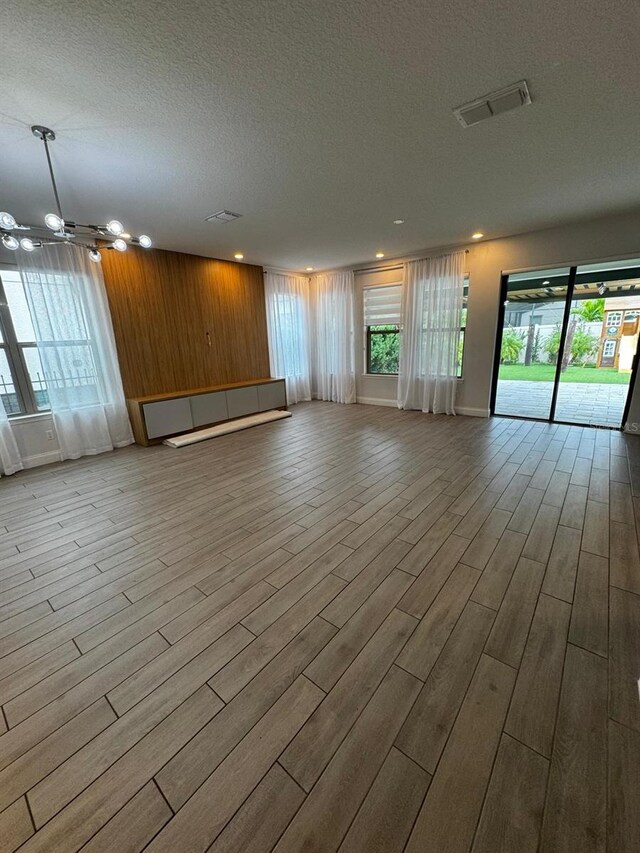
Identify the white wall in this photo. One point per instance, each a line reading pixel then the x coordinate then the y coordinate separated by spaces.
pixel 612 238
pixel 36 439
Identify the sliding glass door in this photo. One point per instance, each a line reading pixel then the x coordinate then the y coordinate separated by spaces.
pixel 568 344
pixel 600 345
pixel 529 344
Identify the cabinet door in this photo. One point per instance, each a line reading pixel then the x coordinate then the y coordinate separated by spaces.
pixel 271 396
pixel 167 417
pixel 209 408
pixel 242 401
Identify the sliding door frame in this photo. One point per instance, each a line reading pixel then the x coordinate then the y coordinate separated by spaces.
pixel 633 381
pixel 504 284
pixel 563 337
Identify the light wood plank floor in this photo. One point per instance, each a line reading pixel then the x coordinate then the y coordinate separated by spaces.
pixel 356 630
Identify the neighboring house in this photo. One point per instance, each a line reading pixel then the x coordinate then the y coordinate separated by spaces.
pixel 521 315
pixel 619 335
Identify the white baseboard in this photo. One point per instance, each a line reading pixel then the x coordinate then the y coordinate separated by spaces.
pixel 374 401
pixel 472 412
pixel 464 410
pixel 41 459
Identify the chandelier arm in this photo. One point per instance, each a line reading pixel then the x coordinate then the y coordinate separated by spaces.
pixel 53 180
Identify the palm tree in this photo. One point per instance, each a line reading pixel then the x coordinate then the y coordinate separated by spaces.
pixel 590 311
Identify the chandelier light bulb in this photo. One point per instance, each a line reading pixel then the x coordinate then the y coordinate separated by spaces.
pixel 7 221
pixel 116 228
pixel 119 245
pixel 54 222
pixel 10 242
pixel 95 256
pixel 145 241
pixel 27 244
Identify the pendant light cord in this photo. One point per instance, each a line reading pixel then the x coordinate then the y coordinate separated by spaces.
pixel 53 180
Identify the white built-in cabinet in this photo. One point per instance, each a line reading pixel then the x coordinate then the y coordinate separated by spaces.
pixel 156 417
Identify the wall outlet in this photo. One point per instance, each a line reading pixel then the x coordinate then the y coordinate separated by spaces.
pixel 50 435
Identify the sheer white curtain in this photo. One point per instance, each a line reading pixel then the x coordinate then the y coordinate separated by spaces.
pixel 334 340
pixel 70 315
pixel 10 459
pixel 432 298
pixel 287 298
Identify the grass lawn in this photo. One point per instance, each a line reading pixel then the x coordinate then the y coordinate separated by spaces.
pixel 547 372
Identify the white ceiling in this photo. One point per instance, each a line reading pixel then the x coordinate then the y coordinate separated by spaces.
pixel 321 121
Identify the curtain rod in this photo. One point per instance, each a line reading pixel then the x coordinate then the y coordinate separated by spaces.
pixel 380 269
pixel 398 266
pixel 389 268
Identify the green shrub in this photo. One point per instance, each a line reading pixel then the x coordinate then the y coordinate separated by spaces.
pixel 582 346
pixel 385 350
pixel 512 343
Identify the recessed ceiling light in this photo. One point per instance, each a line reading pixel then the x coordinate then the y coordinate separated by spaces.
pixel 398 221
pixel 379 254
pixel 309 269
pixel 477 235
pixel 238 256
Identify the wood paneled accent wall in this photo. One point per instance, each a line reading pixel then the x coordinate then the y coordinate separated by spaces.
pixel 163 304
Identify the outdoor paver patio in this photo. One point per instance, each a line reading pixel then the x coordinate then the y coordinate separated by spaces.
pixel 585 403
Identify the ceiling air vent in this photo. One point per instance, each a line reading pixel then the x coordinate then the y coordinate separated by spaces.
pixel 516 95
pixel 223 216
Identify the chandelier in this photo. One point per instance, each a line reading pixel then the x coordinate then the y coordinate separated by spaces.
pixel 57 229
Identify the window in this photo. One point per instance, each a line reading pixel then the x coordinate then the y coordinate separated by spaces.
pixel 382 322
pixel 24 382
pixel 614 318
pixel 463 328
pixel 289 308
pixel 608 349
pixel 22 385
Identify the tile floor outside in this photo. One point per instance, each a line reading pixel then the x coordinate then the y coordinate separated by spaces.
pixel 589 404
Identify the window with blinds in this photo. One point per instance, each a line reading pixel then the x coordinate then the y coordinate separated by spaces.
pixel 382 322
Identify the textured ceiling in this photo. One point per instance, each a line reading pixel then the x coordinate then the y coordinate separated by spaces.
pixel 321 122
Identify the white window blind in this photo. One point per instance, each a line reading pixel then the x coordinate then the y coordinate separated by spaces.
pixel 382 305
